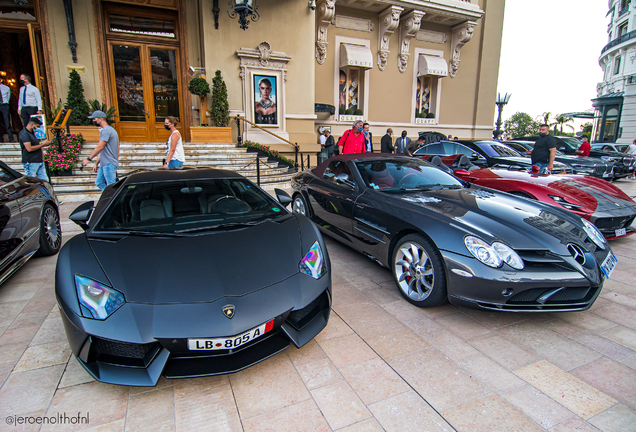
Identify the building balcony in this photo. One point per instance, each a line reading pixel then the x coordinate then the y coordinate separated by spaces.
pixel 619 40
pixel 623 12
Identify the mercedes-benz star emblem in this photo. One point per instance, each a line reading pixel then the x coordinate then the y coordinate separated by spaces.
pixel 228 311
pixel 577 253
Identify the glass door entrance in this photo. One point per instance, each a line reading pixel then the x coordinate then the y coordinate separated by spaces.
pixel 145 82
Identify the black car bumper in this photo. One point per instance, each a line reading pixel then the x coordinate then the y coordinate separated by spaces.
pixel 538 288
pixel 143 360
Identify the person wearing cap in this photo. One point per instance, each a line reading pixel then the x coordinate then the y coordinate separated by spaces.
pixel 585 148
pixel 32 158
pixel 106 152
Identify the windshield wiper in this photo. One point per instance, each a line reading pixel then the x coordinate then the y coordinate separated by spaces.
pixel 150 233
pixel 221 226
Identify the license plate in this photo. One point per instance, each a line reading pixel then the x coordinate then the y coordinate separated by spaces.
pixel 621 232
pixel 231 342
pixel 609 264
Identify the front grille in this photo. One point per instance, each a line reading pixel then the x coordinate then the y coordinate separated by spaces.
pixel 565 295
pixel 613 223
pixel 121 349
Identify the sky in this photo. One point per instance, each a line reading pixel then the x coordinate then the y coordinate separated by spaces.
pixel 549 55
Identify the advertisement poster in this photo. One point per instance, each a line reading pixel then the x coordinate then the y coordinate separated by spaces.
pixel 265 87
pixel 40 132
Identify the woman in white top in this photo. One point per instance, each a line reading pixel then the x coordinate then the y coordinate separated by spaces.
pixel 174 152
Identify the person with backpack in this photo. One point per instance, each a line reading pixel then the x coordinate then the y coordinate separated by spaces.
pixel 352 141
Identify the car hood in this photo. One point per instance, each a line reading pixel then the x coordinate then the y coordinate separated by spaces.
pixel 201 268
pixel 491 215
pixel 580 160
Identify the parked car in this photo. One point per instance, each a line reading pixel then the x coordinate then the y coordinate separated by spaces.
pixel 189 273
pixel 611 146
pixel 624 164
pixel 485 154
pixel 29 220
pixel 444 238
pixel 606 206
pixel 596 167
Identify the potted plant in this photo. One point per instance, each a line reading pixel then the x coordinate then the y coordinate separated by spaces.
pixel 62 156
pixel 219 116
pixel 200 87
pixel 264 150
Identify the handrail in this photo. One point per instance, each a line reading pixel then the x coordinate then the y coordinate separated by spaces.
pixel 237 118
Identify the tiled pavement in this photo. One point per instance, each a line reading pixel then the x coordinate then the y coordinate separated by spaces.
pixel 380 364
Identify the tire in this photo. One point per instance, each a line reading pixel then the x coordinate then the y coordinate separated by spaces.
pixel 414 255
pixel 299 206
pixel 50 231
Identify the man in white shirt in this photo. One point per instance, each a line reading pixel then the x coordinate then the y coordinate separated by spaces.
pixel 29 100
pixel 5 114
pixel 631 149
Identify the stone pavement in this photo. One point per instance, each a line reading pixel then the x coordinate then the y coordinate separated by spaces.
pixel 380 364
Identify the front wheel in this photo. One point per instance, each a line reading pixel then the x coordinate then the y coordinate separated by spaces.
pixel 300 206
pixel 50 231
pixel 419 272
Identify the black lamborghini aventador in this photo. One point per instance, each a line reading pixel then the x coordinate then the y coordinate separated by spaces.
pixel 189 273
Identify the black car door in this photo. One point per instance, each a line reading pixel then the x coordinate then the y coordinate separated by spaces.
pixel 333 200
pixel 10 221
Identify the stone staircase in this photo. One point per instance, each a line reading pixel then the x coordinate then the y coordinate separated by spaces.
pixel 135 156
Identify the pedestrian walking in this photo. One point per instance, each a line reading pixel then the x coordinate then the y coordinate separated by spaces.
pixel 386 142
pixel 31 147
pixel 106 152
pixel 330 144
pixel 544 150
pixel 352 141
pixel 5 113
pixel 368 138
pixel 29 99
pixel 584 149
pixel 175 156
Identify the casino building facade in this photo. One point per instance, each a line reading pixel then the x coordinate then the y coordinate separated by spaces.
pixel 298 66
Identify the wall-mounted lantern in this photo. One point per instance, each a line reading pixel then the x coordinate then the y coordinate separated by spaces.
pixel 245 10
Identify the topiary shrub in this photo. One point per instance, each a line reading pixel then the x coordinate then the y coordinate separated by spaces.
pixel 341 110
pixel 220 108
pixel 199 87
pixel 357 112
pixel 348 111
pixel 76 102
pixel 422 115
pixel 430 115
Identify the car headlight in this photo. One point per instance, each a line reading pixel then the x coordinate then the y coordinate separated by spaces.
pixel 98 300
pixel 565 203
pixel 493 255
pixel 592 232
pixel 313 264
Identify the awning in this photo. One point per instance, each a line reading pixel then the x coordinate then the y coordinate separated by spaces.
pixel 432 65
pixel 355 55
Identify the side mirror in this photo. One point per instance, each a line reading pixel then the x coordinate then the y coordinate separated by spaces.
pixel 82 214
pixel 283 197
pixel 474 156
pixel 344 179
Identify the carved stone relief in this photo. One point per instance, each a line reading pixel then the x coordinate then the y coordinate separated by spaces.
pixel 462 33
pixel 324 15
pixel 389 21
pixel 409 26
pixel 354 23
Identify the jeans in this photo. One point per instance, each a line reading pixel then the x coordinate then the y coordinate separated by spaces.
pixel 35 169
pixel 106 175
pixel 175 164
pixel 543 167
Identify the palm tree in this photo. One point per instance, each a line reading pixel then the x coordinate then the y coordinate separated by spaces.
pixel 545 118
pixel 562 120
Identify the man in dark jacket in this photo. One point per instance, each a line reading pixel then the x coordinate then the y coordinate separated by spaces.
pixel 544 150
pixel 402 143
pixel 330 145
pixel 386 143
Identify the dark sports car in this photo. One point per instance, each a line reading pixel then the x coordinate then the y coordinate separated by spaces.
pixel 606 206
pixel 29 220
pixel 485 154
pixel 189 273
pixel 446 238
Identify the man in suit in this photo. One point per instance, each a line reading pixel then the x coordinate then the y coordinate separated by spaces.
pixel 386 143
pixel 368 138
pixel 5 114
pixel 29 99
pixel 402 144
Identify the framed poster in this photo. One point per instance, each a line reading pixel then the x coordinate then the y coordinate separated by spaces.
pixel 40 132
pixel 265 109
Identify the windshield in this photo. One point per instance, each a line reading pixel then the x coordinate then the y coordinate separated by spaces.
pixel 188 206
pixel 405 175
pixel 573 143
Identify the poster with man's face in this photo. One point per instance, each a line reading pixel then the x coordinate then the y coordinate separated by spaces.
pixel 265 100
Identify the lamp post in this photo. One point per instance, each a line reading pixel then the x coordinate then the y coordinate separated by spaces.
pixel 244 9
pixel 501 101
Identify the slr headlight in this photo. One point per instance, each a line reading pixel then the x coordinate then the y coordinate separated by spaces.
pixel 97 300
pixel 313 264
pixel 493 255
pixel 592 232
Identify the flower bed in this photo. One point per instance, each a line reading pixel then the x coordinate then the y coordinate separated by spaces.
pixel 67 158
pixel 267 152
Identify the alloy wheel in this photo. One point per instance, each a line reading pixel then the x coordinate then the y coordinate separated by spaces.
pixel 414 271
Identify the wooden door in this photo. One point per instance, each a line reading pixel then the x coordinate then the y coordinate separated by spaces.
pixel 145 81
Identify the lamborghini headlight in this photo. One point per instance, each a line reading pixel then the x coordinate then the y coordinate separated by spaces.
pixel 592 232
pixel 97 300
pixel 313 264
pixel 493 255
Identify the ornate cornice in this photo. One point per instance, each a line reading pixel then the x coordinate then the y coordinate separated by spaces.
pixel 409 27
pixel 462 33
pixel 389 21
pixel 262 57
pixel 325 15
